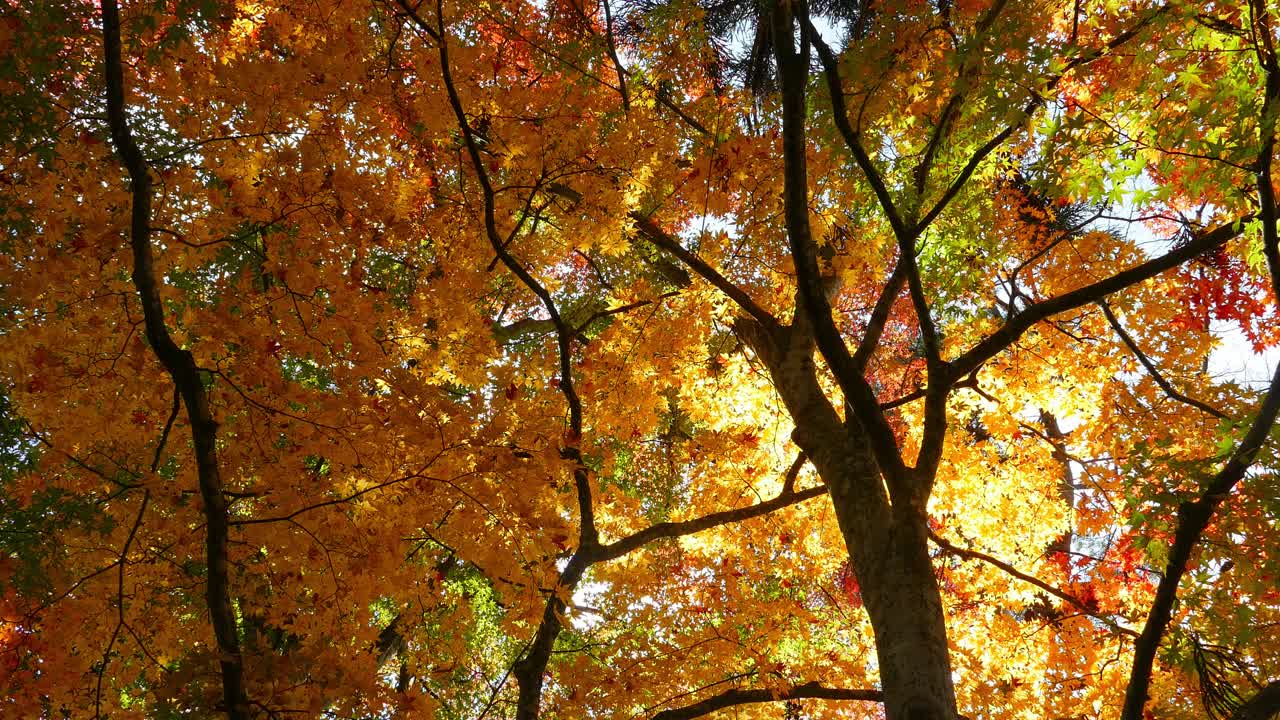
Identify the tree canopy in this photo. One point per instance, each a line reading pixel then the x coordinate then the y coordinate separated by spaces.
pixel 638 359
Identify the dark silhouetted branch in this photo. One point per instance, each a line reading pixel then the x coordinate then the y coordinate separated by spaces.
pixel 688 527
pixel 1022 321
pixel 1194 517
pixel 1262 706
pixel 182 368
pixel 1151 368
pixel 660 238
pixel 953 549
pixel 740 696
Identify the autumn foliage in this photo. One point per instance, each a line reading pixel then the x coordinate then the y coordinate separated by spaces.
pixel 654 359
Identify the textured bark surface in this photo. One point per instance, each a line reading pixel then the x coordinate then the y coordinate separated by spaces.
pixel 901 596
pixel 888 545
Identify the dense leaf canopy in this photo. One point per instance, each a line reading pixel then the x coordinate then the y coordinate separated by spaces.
pixel 560 359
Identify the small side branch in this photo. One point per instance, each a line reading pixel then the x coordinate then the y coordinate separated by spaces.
pixel 740 696
pixel 613 55
pixel 1151 368
pixel 120 621
pixel 951 111
pixel 1028 110
pixel 786 498
pixel 953 549
pixel 879 317
pixel 852 136
pixel 168 426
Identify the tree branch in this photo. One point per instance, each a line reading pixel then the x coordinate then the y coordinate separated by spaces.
pixel 793 74
pixel 939 378
pixel 879 317
pixel 953 549
pixel 1035 102
pixel 852 137
pixel 785 498
pixel 120 621
pixel 1021 322
pixel 168 425
pixel 739 696
pixel 529 670
pixel 1263 705
pixel 579 323
pixel 664 99
pixel 663 240
pixel 611 45
pixel 1151 368
pixel 954 103
pixel 181 366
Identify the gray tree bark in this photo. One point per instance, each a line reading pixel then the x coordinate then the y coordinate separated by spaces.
pixel 887 542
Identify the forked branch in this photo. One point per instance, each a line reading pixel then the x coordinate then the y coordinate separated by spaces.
pixel 531 668
pixel 793 77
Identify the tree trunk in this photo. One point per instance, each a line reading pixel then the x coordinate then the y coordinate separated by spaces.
pixel 887 543
pixel 889 552
pixel 901 596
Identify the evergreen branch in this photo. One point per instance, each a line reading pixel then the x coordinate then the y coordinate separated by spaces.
pixel 1263 705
